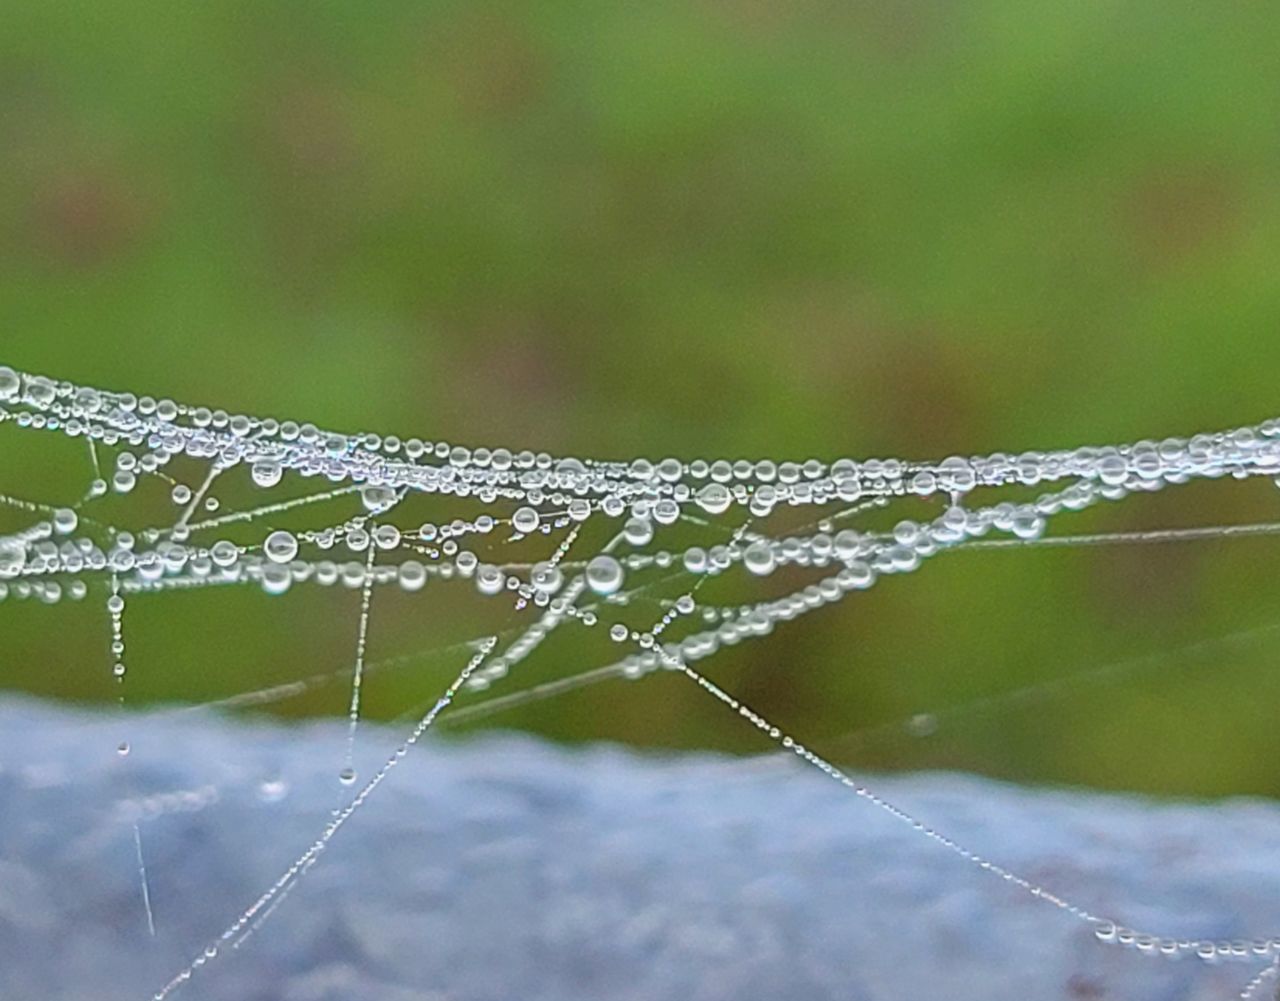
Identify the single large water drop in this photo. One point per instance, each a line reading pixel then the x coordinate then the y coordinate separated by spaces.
pixel 280 546
pixel 604 574
pixel 759 559
pixel 267 472
pixel 714 498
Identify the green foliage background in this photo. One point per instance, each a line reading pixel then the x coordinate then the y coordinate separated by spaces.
pixel 708 228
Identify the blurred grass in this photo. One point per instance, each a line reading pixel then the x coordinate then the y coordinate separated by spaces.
pixel 701 229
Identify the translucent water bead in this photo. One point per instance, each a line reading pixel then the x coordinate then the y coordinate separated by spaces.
pixel 377 498
pixel 638 531
pixel 386 537
pixel 490 580
pixel 714 498
pixel 525 520
pixel 604 575
pixel 759 558
pixel 411 576
pixel 267 473
pixel 10 384
pixel 13 557
pixel 275 578
pixel 280 546
pixel 546 577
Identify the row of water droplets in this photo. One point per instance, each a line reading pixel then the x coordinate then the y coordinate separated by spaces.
pixel 523 494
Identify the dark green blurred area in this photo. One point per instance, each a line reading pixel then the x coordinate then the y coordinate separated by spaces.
pixel 700 229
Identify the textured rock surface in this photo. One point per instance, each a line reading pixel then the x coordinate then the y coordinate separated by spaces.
pixel 507 870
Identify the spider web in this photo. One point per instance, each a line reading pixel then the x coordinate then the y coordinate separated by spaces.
pixel 624 550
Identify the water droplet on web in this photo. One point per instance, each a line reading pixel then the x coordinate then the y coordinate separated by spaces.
pixel 10 383
pixel 386 537
pixel 13 557
pixel 490 580
pixel 922 725
pixel 714 498
pixel 525 520
pixel 267 473
pixel 604 575
pixel 546 577
pixel 377 498
pixel 1027 525
pixel 347 776
pixel 280 546
pixel 638 531
pixel 224 553
pixel 272 790
pixel 276 578
pixel 759 559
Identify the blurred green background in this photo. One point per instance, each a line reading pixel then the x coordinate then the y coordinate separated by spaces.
pixel 742 229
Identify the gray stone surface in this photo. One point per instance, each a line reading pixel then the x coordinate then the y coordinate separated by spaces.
pixel 503 869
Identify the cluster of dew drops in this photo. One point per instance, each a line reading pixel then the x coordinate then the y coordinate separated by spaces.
pixel 519 495
pixel 525 493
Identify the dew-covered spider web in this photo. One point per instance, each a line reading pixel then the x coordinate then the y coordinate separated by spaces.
pixel 177 498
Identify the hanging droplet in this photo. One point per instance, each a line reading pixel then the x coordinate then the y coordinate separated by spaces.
pixel 386 536
pixel 411 575
pixel 604 575
pixel 276 578
pixel 695 559
pixel 10 383
pixel 267 473
pixel 714 498
pixel 758 558
pixel 638 531
pixel 377 498
pixel 525 520
pixel 280 546
pixel 546 577
pixel 224 553
pixel 490 580
pixel 13 557
pixel 1027 525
